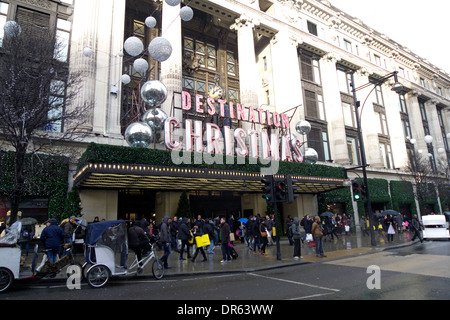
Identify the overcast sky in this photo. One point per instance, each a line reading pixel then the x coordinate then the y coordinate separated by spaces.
pixel 421 26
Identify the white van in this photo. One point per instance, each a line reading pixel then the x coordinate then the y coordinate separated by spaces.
pixel 435 227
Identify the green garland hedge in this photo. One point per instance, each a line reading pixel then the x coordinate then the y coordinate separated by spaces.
pixel 99 153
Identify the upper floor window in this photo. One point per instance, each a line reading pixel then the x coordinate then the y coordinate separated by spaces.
pixel 312 28
pixel 348 46
pixel 3 18
pixel 310 68
pixel 345 80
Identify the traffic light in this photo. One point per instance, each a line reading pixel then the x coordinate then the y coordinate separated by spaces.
pixel 268 188
pixel 280 190
pixel 356 187
pixel 291 189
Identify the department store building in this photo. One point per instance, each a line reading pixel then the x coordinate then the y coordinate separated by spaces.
pixel 284 59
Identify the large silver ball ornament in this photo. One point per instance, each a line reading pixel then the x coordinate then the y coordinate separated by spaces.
pixel 186 13
pixel 150 22
pixel 311 156
pixel 12 29
pixel 160 49
pixel 303 127
pixel 133 46
pixel 139 135
pixel 155 118
pixel 173 3
pixel 154 92
pixel 140 65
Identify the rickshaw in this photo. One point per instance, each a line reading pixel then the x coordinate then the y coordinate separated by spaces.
pixel 106 254
pixel 11 267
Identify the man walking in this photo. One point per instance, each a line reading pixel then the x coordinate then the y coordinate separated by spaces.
pixel 164 236
pixel 225 239
pixel 416 227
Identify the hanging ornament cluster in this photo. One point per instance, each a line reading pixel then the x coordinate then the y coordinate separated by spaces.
pixel 142 133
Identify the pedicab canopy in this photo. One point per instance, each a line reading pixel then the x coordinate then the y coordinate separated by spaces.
pixel 12 235
pixel 107 232
pixel 112 234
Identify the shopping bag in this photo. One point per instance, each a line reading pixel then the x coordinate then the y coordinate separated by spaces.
pixel 309 237
pixel 312 244
pixel 347 228
pixel 202 241
pixel 232 237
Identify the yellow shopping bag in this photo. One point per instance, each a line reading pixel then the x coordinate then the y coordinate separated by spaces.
pixel 202 241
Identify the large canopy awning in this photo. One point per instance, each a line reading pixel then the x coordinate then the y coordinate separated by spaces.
pixel 117 176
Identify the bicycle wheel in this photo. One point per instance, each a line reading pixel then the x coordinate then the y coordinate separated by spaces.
pixel 98 276
pixel 158 269
pixel 6 279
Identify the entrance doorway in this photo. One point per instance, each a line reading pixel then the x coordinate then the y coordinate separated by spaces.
pixel 215 204
pixel 136 204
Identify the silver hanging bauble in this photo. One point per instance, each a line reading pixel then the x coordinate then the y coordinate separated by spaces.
pixel 303 127
pixel 139 135
pixel 160 49
pixel 133 46
pixel 311 156
pixel 126 79
pixel 154 92
pixel 186 13
pixel 88 52
pixel 12 28
pixel 155 118
pixel 150 22
pixel 140 65
pixel 173 3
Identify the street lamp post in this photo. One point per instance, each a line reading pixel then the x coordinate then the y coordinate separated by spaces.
pixel 397 88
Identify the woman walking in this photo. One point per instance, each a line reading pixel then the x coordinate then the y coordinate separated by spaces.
pixel 263 232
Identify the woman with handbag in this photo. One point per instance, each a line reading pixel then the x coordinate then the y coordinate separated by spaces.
pixel 317 233
pixel 264 240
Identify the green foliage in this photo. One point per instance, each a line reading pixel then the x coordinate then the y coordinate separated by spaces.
pixel 97 153
pixel 72 204
pixel 184 206
pixel 48 179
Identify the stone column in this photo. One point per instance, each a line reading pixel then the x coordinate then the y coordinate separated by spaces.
pixel 172 68
pixel 248 72
pixel 288 92
pixel 368 129
pixel 333 108
pixel 99 25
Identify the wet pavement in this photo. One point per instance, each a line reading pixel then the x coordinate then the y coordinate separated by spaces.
pixel 249 261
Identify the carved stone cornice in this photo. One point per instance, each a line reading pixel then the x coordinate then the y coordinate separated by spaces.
pixel 244 21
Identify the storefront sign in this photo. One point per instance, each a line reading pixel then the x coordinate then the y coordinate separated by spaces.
pixel 224 141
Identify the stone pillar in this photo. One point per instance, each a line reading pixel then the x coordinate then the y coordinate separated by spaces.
pixel 367 117
pixel 333 109
pixel 248 72
pixel 172 68
pixel 286 74
pixel 99 25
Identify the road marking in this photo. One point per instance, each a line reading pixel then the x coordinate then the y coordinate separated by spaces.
pixel 295 282
pixel 313 296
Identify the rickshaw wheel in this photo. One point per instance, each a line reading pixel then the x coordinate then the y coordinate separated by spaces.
pixel 84 269
pixel 98 275
pixel 158 269
pixel 6 279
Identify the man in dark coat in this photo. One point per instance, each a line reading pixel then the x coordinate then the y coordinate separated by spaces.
pixel 138 241
pixel 184 235
pixel 225 239
pixel 52 237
